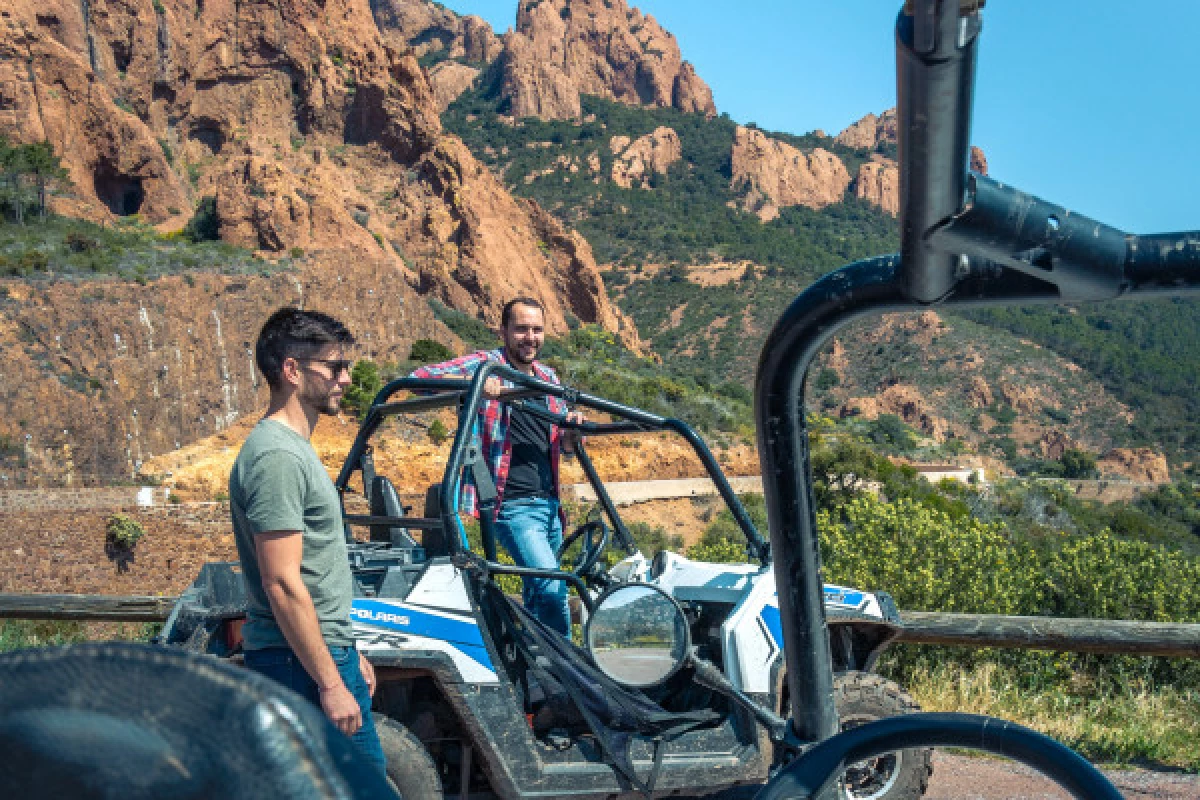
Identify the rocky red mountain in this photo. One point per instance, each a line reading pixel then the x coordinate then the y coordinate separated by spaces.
pixel 561 49
pixel 314 136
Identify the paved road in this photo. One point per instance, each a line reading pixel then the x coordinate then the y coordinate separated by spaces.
pixel 641 665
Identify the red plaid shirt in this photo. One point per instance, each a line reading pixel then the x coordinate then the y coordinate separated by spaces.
pixel 492 423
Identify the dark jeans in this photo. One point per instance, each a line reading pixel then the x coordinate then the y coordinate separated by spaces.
pixel 281 664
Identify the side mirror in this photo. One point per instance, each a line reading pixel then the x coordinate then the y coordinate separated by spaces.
pixel 637 635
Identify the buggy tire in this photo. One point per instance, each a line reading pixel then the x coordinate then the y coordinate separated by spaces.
pixel 409 767
pixel 862 697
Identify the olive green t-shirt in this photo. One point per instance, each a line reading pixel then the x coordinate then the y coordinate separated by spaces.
pixel 279 484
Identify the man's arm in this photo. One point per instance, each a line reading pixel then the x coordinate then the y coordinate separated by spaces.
pixel 279 555
pixel 461 367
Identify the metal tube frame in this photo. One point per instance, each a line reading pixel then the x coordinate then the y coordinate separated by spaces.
pixel 467 394
pixel 965 240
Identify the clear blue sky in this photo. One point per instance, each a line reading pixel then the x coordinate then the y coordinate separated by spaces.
pixel 1091 104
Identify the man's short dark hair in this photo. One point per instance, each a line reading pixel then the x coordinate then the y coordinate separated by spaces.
pixel 295 333
pixel 506 312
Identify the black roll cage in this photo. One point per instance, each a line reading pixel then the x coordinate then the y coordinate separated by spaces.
pixel 966 239
pixel 467 396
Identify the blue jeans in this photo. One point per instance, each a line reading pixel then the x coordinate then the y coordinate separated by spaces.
pixel 530 529
pixel 281 664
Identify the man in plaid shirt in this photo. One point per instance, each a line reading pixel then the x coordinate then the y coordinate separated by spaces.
pixel 523 454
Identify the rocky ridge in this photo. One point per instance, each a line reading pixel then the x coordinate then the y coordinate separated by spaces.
pixel 769 174
pixel 639 160
pixel 564 48
pixel 303 124
pixel 559 50
pixel 941 380
pixel 314 138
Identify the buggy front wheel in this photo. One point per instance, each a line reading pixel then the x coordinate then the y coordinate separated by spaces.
pixel 409 767
pixel 863 697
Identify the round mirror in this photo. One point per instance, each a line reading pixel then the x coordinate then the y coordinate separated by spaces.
pixel 638 635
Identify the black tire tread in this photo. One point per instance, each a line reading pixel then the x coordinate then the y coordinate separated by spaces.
pixel 409 765
pixel 856 689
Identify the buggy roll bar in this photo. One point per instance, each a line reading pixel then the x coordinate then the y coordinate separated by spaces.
pixel 965 239
pixel 467 395
pixel 636 421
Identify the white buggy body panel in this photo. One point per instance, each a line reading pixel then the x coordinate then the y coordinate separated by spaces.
pixel 751 636
pixel 436 617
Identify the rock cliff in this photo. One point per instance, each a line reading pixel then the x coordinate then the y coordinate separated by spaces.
pixel 870 131
pixel 430 29
pixel 563 48
pixel 769 174
pixel 313 135
pixel 560 50
pixel 878 182
pixel 307 128
pixel 638 161
pixel 101 376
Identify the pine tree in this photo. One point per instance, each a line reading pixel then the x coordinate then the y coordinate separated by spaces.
pixel 46 168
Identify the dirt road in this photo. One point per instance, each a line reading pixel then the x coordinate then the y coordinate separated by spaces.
pixel 958 777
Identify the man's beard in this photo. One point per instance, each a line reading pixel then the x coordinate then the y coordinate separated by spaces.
pixel 516 356
pixel 326 403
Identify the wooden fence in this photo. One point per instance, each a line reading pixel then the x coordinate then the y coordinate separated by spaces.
pixel 920 627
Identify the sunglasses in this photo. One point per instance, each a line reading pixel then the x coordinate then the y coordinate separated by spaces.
pixel 336 365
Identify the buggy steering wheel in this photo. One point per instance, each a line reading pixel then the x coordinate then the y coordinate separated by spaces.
pixel 593 546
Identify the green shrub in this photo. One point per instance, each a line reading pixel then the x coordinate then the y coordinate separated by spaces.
pixel 365 383
pixel 826 379
pixel 1078 464
pixel 652 538
pixel 18 634
pixel 928 559
pixel 123 532
pixel 429 351
pixel 204 226
pixel 79 242
pixel 718 551
pixel 438 432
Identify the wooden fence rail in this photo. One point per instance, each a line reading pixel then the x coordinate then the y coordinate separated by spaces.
pixel 920 627
pixel 105 607
pixel 1052 633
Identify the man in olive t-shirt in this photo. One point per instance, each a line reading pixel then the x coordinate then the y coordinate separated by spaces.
pixel 287 523
pixel 279 484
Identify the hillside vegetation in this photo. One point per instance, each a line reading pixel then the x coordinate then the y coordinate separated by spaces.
pixel 1016 548
pixel 653 238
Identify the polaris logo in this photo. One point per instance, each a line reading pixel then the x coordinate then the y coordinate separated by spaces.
pixel 842 597
pixel 368 615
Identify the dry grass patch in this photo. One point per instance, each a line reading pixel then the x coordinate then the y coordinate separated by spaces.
pixel 1137 724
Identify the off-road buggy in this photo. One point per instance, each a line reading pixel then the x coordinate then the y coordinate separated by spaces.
pixel 470 703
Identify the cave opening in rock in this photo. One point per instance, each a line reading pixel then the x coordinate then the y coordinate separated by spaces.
pixel 208 135
pixel 122 194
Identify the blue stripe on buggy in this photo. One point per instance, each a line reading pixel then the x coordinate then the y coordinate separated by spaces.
pixel 834 595
pixel 464 635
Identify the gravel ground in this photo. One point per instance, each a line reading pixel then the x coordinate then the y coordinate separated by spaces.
pixel 961 777
pixel 957 777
